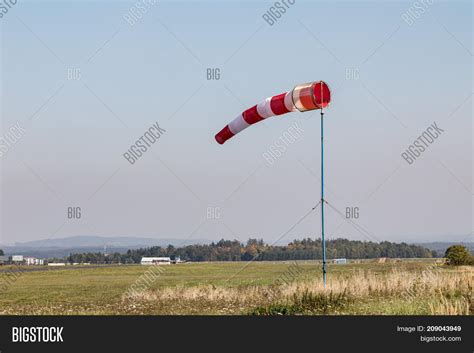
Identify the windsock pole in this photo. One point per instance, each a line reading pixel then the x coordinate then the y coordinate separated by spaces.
pixel 303 97
pixel 322 199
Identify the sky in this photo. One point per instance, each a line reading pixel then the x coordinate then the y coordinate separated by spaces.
pixel 83 85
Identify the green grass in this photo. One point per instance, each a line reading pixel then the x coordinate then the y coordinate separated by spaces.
pixel 101 290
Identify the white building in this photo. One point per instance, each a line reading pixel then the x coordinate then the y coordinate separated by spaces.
pixel 156 261
pixel 29 260
pixel 33 261
pixel 17 258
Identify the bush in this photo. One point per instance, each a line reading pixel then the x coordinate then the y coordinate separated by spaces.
pixel 458 255
pixel 306 303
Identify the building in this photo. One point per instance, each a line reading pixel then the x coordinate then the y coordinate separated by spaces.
pixel 3 260
pixel 33 261
pixel 26 260
pixel 17 259
pixel 339 261
pixel 156 261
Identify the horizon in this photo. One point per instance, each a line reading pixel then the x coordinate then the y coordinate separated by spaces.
pixel 200 241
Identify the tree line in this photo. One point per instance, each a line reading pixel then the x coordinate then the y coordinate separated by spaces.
pixel 257 249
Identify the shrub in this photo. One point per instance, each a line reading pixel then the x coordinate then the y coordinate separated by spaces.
pixel 458 255
pixel 306 303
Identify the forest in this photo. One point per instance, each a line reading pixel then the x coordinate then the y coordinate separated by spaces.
pixel 257 249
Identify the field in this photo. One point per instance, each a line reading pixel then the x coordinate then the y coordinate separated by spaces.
pixel 367 288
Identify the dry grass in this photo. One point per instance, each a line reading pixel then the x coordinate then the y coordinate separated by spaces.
pixel 445 292
pixel 445 306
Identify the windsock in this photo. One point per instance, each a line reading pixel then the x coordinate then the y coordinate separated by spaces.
pixel 304 97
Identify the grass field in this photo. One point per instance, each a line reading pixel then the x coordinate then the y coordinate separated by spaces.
pixel 367 288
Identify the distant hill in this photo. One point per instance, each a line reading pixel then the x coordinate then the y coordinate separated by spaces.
pixel 60 247
pixel 440 247
pixel 54 252
pixel 81 241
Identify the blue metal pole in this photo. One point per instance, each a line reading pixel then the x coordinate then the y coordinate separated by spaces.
pixel 322 199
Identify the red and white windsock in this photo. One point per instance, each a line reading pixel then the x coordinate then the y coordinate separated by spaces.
pixel 308 96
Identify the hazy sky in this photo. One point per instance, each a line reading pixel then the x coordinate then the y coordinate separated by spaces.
pixel 391 79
